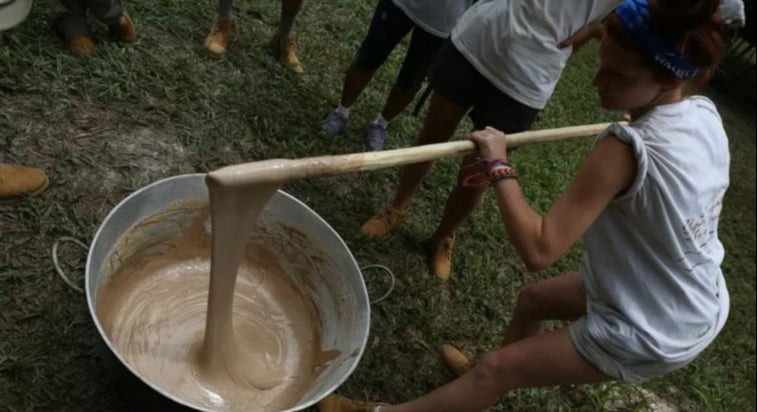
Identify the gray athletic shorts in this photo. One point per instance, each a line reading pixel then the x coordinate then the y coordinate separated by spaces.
pixel 624 369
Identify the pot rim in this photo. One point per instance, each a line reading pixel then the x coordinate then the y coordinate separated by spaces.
pixel 93 313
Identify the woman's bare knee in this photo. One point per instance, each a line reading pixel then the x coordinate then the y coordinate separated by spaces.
pixel 487 377
pixel 496 373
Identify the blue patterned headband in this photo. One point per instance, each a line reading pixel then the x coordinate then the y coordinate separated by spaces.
pixel 634 14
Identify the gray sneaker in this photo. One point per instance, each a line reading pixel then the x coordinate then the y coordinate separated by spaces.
pixel 374 137
pixel 334 123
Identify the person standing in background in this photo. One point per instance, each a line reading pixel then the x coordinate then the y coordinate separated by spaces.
pixel 283 44
pixel 17 181
pixel 69 19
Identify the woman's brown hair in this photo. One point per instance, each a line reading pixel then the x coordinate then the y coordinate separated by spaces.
pixel 692 25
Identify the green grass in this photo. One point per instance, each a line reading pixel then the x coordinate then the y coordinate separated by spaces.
pixel 106 125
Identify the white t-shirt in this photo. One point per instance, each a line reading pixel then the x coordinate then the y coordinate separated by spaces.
pixel 513 43
pixel 651 265
pixel 731 11
pixel 437 17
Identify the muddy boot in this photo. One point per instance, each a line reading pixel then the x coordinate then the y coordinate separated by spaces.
pixel 18 181
pixel 223 32
pixel 124 31
pixel 456 361
pixel 81 45
pixel 440 264
pixel 284 52
pixel 384 222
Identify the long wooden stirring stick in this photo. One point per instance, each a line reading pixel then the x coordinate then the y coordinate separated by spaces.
pixel 278 170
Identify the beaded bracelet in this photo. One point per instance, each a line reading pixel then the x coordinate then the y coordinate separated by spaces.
pixel 502 172
pixel 477 173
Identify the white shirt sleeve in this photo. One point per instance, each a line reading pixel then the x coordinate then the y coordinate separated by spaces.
pixel 627 134
pixel 731 11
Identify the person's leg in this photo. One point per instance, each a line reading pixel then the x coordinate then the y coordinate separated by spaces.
pixel 448 104
pixel 498 111
pixel 544 360
pixel 423 50
pixel 461 202
pixel 69 19
pixel 440 123
pixel 388 27
pixel 421 53
pixel 112 14
pixel 225 9
pixel 355 81
pixel 107 11
pixel 396 102
pixel 282 42
pixel 558 298
pixel 224 30
pixel 454 93
pixel 289 11
pixel 492 108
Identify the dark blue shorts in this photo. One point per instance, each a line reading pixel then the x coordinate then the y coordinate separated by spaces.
pixel 388 27
pixel 455 79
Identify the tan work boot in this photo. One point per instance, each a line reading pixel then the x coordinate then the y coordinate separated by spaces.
pixel 384 222
pixel 456 361
pixel 125 31
pixel 440 264
pixel 336 403
pixel 224 31
pixel 81 45
pixel 284 52
pixel 17 181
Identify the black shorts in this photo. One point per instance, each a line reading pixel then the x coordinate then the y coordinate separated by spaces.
pixel 455 79
pixel 388 27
